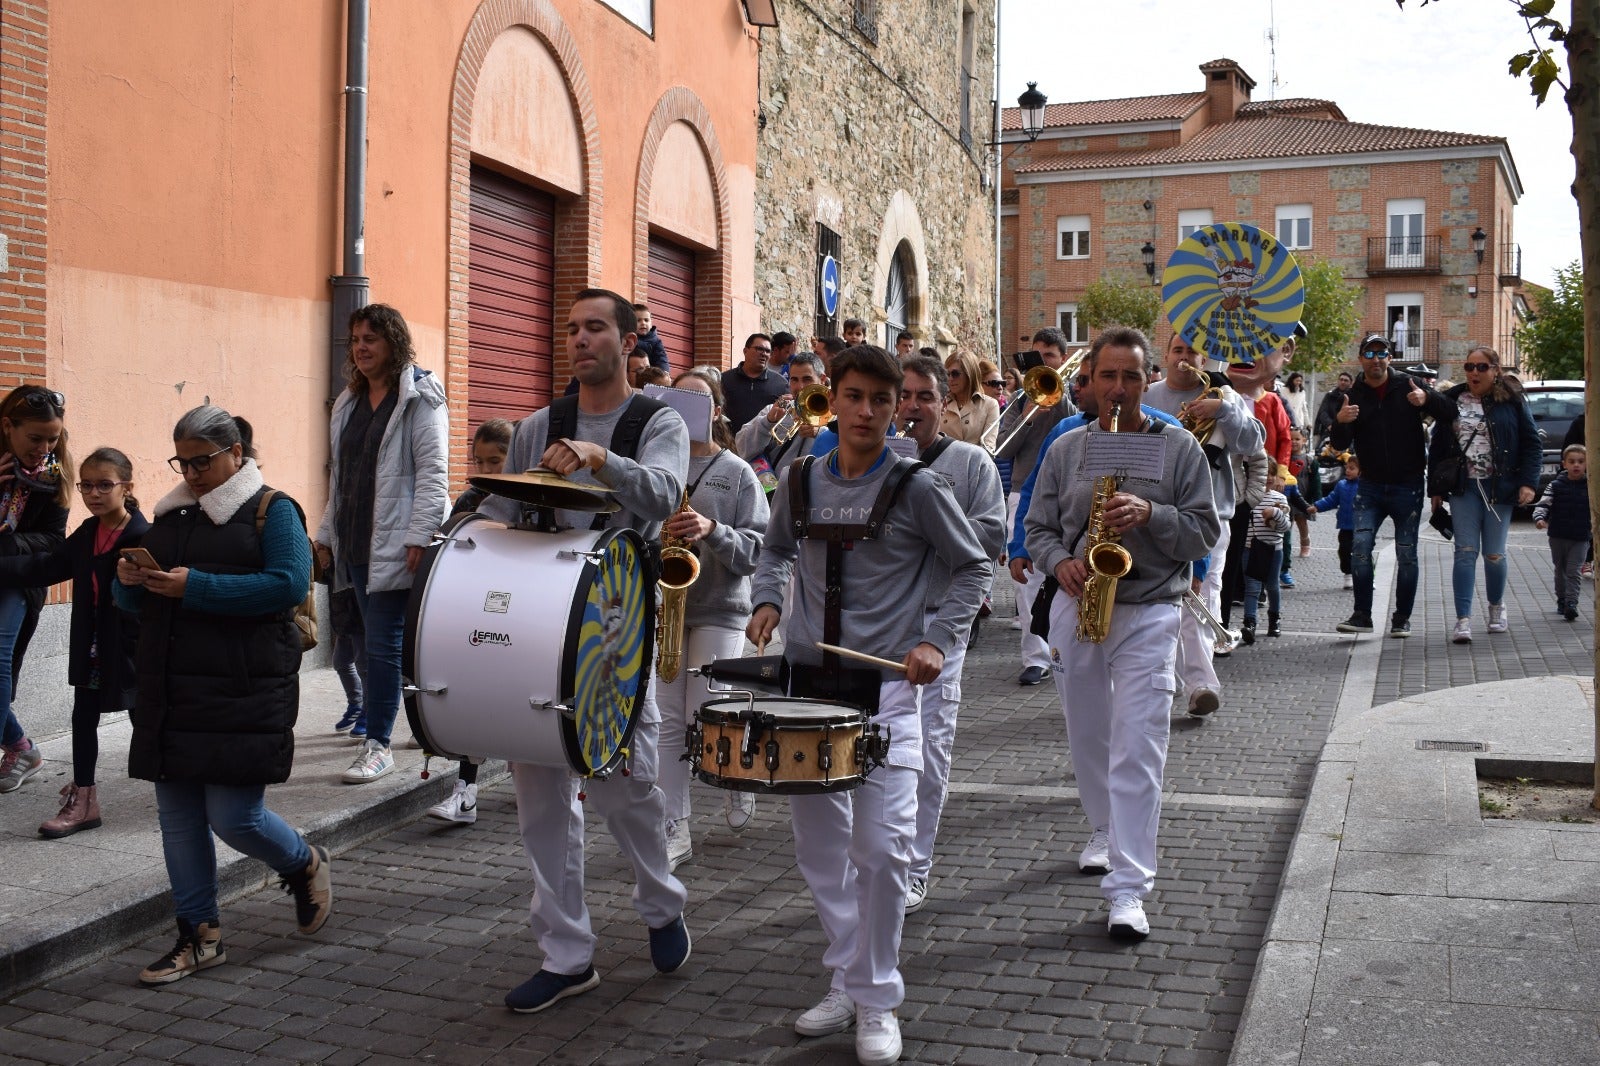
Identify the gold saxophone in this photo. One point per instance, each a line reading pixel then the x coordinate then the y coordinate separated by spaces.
pixel 1106 558
pixel 680 568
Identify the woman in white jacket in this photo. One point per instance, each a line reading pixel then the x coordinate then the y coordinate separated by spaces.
pixel 387 494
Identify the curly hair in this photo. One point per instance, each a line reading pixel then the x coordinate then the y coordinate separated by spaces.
pixel 388 324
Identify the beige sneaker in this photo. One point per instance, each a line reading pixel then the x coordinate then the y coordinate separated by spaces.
pixel 198 948
pixel 18 763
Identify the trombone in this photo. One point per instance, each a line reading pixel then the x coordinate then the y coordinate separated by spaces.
pixel 1045 387
pixel 812 408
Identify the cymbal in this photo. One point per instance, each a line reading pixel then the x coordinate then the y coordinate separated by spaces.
pixel 546 488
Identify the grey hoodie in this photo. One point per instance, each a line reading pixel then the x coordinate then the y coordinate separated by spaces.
pixel 970 475
pixel 729 494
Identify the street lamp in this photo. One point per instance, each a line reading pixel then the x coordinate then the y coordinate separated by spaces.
pixel 1479 239
pixel 1148 254
pixel 1032 103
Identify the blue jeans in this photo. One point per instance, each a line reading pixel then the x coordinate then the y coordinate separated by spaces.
pixel 1401 504
pixel 1481 528
pixel 189 813
pixel 384 616
pixel 13 607
pixel 1252 588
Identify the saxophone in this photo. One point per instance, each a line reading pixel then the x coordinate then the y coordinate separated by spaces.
pixel 680 568
pixel 1107 560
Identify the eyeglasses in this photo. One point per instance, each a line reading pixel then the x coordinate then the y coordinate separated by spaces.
pixel 1477 367
pixel 199 464
pixel 1377 353
pixel 763 351
pixel 995 384
pixel 102 487
pixel 47 400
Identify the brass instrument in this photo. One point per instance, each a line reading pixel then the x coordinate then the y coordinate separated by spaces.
pixel 1220 633
pixel 1106 558
pixel 680 568
pixel 1045 387
pixel 812 407
pixel 1202 428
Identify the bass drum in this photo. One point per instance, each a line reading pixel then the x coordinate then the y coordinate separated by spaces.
pixel 530 647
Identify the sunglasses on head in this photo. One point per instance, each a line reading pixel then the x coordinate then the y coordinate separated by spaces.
pixel 48 400
pixel 1479 367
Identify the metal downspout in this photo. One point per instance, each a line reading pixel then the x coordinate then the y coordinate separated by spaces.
pixel 351 289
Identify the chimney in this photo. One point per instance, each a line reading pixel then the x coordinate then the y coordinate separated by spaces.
pixel 1227 88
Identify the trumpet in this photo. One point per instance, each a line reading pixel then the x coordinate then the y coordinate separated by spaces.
pixel 812 408
pixel 1044 387
pixel 1202 428
pixel 1198 607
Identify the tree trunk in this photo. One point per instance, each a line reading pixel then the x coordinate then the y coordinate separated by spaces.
pixel 1583 101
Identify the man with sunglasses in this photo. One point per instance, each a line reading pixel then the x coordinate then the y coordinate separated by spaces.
pixel 1382 418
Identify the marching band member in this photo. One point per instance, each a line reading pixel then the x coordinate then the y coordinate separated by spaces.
pixel 1117 694
pixel 973 480
pixel 1237 433
pixel 648 486
pixel 723 525
pixel 854 848
pixel 754 442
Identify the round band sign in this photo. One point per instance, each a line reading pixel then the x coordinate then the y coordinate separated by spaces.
pixel 1232 292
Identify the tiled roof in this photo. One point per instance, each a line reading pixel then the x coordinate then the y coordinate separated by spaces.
pixel 1096 112
pixel 1289 106
pixel 1274 137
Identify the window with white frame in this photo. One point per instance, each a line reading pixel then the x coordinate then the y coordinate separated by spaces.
pixel 1072 324
pixel 1294 225
pixel 1072 237
pixel 1191 220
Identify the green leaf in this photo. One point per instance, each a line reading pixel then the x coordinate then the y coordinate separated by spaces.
pixel 1520 63
pixel 1536 8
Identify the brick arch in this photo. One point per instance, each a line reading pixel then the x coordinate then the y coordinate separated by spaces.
pixel 578 219
pixel 714 285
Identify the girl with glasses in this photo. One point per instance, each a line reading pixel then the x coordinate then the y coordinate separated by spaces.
pixel 1497 444
pixel 102 637
pixel 34 498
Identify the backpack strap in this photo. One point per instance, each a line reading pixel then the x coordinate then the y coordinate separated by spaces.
pixel 936 449
pixel 563 419
pixel 265 505
pixel 630 427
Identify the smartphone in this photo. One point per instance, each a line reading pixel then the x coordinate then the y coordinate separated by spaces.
pixel 141 558
pixel 1026 361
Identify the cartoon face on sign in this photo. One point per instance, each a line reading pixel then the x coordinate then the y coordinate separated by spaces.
pixel 1234 280
pixel 1232 292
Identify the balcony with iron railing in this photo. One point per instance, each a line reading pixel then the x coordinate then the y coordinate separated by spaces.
pixel 1416 346
pixel 1511 264
pixel 1510 350
pixel 1403 255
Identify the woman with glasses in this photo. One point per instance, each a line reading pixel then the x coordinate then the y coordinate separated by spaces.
pixel 1497 445
pixel 970 415
pixel 102 637
pixel 34 498
pixel 387 494
pixel 218 680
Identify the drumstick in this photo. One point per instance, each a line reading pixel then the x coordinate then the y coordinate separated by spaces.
pixel 862 656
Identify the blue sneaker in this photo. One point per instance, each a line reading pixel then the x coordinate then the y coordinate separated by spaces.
pixel 359 730
pixel 1286 580
pixel 545 989
pixel 669 945
pixel 352 713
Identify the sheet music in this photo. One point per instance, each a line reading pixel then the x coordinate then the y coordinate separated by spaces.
pixel 693 405
pixel 1135 455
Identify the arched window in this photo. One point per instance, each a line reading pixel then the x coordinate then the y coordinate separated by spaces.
pixel 897 295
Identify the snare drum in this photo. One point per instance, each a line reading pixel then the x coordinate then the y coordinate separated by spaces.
pixel 527 646
pixel 786 746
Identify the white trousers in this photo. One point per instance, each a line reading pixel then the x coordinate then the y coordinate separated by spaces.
pixel 550 817
pixel 680 702
pixel 1195 641
pixel 1117 698
pixel 854 850
pixel 1035 652
pixel 941 701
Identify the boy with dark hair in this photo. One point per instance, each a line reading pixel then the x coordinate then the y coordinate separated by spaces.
pixel 1564 511
pixel 649 340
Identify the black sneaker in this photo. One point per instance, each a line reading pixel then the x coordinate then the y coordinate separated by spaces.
pixel 1400 627
pixel 545 989
pixel 1570 612
pixel 669 946
pixel 1356 623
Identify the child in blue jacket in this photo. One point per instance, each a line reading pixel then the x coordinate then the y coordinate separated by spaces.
pixel 1343 497
pixel 1564 511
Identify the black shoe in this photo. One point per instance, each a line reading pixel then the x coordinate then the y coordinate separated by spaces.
pixel 1033 675
pixel 1400 627
pixel 1356 623
pixel 669 946
pixel 1272 625
pixel 1247 633
pixel 544 989
pixel 1569 612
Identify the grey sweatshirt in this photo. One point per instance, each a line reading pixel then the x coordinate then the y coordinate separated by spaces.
pixel 648 488
pixel 970 475
pixel 1237 433
pixel 727 492
pixel 1023 449
pixel 885 579
pixel 1183 522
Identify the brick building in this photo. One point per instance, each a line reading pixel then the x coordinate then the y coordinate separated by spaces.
pixel 24 211
pixel 1396 208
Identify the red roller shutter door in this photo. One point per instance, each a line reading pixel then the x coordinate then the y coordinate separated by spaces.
pixel 672 301
pixel 510 317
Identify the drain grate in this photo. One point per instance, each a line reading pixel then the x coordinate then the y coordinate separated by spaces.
pixel 1452 745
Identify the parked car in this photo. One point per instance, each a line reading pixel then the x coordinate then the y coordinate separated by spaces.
pixel 1554 404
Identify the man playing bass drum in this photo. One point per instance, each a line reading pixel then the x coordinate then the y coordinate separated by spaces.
pixel 1117 693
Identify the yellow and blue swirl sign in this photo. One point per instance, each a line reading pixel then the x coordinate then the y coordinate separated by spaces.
pixel 1232 292
pixel 609 679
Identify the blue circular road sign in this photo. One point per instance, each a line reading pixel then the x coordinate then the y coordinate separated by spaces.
pixel 828 283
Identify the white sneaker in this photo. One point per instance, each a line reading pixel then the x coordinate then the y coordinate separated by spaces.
pixel 679 844
pixel 1127 919
pixel 375 761
pixel 1095 858
pixel 461 808
pixel 834 1014
pixel 738 808
pixel 1349 581
pixel 916 894
pixel 1016 623
pixel 1497 618
pixel 877 1037
pixel 1462 634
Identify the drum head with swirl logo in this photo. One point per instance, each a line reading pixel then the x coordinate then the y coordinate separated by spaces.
pixel 1232 292
pixel 606 669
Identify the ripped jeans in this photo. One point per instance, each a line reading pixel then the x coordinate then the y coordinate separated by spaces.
pixel 1481 529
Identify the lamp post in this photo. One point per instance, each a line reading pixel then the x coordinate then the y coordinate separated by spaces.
pixel 1479 239
pixel 1148 254
pixel 1032 104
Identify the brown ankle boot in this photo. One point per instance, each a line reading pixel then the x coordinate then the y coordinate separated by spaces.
pixel 80 810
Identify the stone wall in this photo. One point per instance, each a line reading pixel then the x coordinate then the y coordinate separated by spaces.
pixel 865 137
